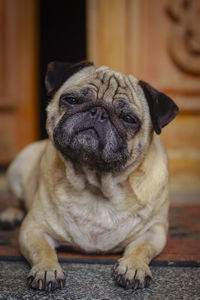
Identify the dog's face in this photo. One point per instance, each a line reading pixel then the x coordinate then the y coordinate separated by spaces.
pixel 103 119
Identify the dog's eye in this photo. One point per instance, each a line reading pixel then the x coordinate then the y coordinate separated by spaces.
pixel 70 100
pixel 130 119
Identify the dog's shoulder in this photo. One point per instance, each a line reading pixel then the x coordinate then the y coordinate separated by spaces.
pixel 151 177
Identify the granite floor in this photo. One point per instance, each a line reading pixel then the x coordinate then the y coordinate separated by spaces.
pixel 94 282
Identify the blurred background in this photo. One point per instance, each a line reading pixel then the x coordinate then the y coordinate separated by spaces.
pixel 156 40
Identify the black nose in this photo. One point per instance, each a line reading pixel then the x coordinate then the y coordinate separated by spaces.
pixel 99 114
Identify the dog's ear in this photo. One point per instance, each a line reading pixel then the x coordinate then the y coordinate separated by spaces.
pixel 58 72
pixel 162 108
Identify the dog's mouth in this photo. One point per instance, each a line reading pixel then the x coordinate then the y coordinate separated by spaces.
pixel 88 131
pixel 87 140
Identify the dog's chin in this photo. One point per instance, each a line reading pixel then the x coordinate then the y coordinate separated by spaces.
pixel 86 141
pixel 86 149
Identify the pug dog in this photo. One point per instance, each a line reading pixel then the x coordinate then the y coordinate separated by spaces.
pixel 100 182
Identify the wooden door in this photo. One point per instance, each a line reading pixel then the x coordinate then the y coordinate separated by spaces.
pixel 18 76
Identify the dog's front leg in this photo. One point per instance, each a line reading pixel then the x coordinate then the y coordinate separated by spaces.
pixel 132 270
pixel 46 272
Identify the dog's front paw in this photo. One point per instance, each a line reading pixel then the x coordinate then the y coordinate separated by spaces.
pixel 46 277
pixel 132 275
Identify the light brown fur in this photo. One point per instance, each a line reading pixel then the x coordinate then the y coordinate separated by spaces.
pixel 90 211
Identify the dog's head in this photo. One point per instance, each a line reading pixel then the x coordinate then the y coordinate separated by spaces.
pixel 100 118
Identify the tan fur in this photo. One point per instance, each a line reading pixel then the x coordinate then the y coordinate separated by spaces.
pixel 94 212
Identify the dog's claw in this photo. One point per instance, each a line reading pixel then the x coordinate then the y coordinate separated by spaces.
pixel 127 284
pixel 61 283
pixel 49 286
pixel 116 266
pixel 40 284
pixel 29 281
pixel 136 285
pixel 119 278
pixel 148 280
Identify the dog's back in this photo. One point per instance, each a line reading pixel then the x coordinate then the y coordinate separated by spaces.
pixel 22 169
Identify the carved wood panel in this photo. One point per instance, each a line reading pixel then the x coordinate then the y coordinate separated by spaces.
pixel 184 40
pixel 159 42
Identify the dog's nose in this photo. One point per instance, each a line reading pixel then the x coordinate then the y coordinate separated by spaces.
pixel 99 114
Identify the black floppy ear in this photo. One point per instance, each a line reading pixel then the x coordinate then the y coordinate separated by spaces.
pixel 58 72
pixel 162 108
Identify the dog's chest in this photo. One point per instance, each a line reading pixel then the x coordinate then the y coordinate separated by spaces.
pixel 95 226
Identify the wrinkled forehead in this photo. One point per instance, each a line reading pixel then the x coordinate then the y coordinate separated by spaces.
pixel 109 85
pixel 106 84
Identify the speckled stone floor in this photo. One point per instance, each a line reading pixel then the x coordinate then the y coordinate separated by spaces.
pixel 94 282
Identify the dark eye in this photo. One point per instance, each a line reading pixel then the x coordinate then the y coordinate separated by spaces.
pixel 70 100
pixel 130 119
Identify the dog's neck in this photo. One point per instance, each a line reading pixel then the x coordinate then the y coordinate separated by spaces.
pixel 81 178
pixel 110 185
